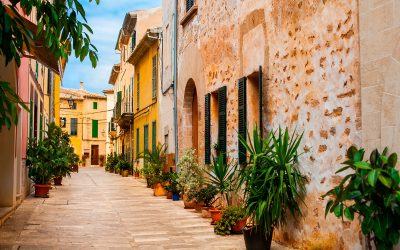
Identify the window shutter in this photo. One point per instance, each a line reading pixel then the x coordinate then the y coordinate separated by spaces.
pixel 154 136
pixel 95 128
pixel 154 76
pixel 137 91
pixel 242 126
pixel 94 105
pixel 41 126
pixel 137 143
pixel 207 130
pixel 146 137
pixel 222 120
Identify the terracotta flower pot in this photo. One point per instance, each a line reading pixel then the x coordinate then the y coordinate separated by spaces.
pixel 136 175
pixel 238 227
pixel 42 190
pixel 111 171
pixel 188 204
pixel 159 190
pixel 125 173
pixel 216 215
pixel 205 212
pixel 58 181
pixel 198 206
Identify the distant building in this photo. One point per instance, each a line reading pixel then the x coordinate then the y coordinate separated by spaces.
pixel 84 116
pixel 111 127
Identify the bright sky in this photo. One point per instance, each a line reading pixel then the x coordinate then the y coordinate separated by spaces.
pixel 106 20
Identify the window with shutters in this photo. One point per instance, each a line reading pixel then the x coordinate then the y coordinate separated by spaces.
pixel 242 118
pixel 146 137
pixel 63 122
pixel 49 81
pixel 95 128
pixel 94 105
pixel 133 40
pixel 189 4
pixel 37 70
pixel 154 77
pixel 222 94
pixel 137 91
pixel 154 136
pixel 137 143
pixel 74 126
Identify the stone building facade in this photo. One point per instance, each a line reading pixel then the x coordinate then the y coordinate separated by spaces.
pixel 329 69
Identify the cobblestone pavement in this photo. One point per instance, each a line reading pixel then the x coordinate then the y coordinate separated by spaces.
pixel 99 210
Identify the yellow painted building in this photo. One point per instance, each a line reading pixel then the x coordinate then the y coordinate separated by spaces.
pixel 83 115
pixel 145 59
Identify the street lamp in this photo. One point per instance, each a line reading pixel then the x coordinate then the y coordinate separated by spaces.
pixel 70 102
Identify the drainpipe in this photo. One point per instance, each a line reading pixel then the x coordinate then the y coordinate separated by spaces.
pixel 175 79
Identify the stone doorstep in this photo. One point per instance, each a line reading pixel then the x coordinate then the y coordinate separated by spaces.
pixel 5 213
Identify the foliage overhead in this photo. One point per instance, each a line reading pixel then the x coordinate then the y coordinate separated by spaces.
pixel 371 190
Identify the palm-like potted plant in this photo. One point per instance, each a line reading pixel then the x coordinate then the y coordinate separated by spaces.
pixel 39 166
pixel 273 185
pixel 124 166
pixel 222 177
pixel 153 163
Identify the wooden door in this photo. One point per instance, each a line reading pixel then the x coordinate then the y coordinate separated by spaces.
pixel 94 160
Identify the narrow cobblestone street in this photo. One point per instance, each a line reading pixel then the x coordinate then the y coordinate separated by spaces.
pixel 99 210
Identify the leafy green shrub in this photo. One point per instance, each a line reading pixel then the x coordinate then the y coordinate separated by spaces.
pixel 173 186
pixel 372 191
pixel 190 176
pixel 124 164
pixel 39 168
pixel 153 163
pixel 230 216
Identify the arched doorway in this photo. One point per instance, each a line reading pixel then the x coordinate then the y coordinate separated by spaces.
pixel 191 116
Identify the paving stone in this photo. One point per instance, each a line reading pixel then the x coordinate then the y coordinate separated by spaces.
pixel 99 210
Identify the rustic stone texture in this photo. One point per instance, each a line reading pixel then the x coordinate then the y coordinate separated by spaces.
pixel 99 210
pixel 309 52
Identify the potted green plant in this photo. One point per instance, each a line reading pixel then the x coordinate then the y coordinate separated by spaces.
pixel 222 177
pixel 153 163
pixel 233 220
pixel 38 162
pixel 273 185
pixel 124 166
pixel 372 190
pixel 190 177
pixel 206 196
pixel 136 172
pixel 174 187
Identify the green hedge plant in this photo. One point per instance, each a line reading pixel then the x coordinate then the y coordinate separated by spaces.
pixel 371 189
pixel 230 215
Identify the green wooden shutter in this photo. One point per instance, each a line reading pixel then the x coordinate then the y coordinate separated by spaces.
pixel 222 120
pixel 41 127
pixel 146 137
pixel 154 136
pixel 242 126
pixel 207 129
pixel 95 128
pixel 31 119
pixel 138 91
pixel 137 143
pixel 154 77
pixel 94 105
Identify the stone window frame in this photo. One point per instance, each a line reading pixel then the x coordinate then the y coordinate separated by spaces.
pixel 189 14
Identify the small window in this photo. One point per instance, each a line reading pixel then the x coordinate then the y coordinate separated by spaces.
pixel 133 40
pixel 189 4
pixel 63 122
pixel 95 128
pixel 94 105
pixel 154 77
pixel 73 105
pixel 74 126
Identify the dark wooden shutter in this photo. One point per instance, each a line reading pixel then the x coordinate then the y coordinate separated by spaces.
pixel 154 136
pixel 242 126
pixel 207 129
pixel 222 120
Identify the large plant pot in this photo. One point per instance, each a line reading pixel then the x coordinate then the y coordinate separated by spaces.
pixel 58 181
pixel 42 190
pixel 136 175
pixel 238 227
pixel 111 171
pixel 159 190
pixel 205 212
pixel 175 196
pixel 216 215
pixel 198 206
pixel 125 173
pixel 187 204
pixel 256 240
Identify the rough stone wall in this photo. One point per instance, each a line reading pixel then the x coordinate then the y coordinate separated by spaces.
pixel 309 51
pixel 380 73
